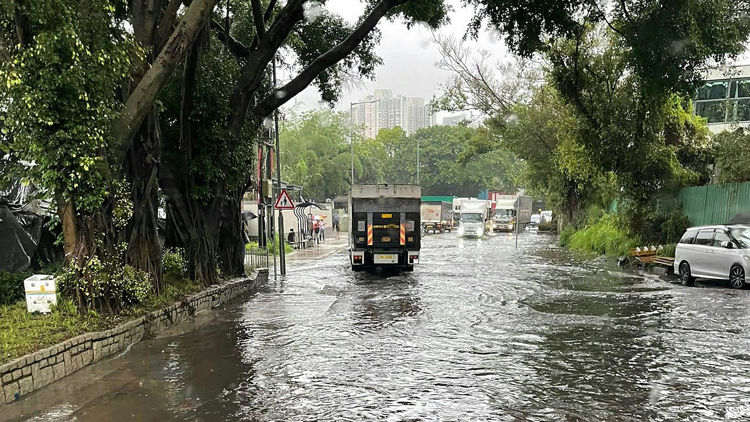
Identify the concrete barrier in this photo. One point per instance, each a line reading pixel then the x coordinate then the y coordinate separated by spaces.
pixel 29 373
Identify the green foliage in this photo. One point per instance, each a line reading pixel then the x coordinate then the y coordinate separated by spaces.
pixel 547 226
pixel 733 156
pixel 273 248
pixel 174 264
pixel 22 332
pixel 669 250
pixel 104 285
pixel 674 226
pixel 60 95
pixel 11 287
pixel 565 236
pixel 606 237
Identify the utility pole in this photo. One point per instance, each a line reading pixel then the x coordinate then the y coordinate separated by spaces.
pixel 417 160
pixel 282 252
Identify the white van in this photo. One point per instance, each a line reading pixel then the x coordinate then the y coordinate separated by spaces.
pixel 719 252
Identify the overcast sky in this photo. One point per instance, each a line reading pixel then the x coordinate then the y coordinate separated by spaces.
pixel 409 57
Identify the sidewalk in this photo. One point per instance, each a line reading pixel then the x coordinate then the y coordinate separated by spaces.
pixel 324 249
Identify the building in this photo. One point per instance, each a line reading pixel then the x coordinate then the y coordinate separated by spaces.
pixel 454 120
pixel 384 110
pixel 724 98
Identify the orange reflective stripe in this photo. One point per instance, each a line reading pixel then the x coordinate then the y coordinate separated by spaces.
pixel 369 234
pixel 403 235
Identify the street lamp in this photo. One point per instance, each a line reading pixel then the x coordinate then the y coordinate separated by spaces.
pixel 351 128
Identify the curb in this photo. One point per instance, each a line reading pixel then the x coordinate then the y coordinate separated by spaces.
pixel 34 371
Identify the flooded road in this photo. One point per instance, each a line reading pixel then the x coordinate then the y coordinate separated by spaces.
pixel 479 331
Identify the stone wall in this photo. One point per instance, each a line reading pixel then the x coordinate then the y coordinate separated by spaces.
pixel 34 371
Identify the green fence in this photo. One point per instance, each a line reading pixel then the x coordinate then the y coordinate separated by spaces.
pixel 715 204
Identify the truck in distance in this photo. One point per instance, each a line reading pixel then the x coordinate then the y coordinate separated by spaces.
pixel 474 217
pixel 385 227
pixel 437 216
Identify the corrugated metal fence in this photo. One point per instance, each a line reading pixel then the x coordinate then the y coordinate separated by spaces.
pixel 715 204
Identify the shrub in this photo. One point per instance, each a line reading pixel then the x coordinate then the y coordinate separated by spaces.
pixel 565 235
pixel 11 287
pixel 546 226
pixel 105 286
pixel 675 224
pixel 174 263
pixel 669 250
pixel 605 237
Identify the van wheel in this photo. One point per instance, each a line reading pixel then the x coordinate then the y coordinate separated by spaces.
pixel 685 275
pixel 737 277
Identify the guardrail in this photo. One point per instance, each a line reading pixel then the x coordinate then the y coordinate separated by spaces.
pixel 256 257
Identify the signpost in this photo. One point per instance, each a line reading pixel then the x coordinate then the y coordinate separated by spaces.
pixel 284 202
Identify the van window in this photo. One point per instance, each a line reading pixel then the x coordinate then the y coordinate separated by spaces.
pixel 689 236
pixel 704 237
pixel 721 236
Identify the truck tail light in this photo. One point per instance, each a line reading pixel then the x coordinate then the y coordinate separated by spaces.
pixel 413 259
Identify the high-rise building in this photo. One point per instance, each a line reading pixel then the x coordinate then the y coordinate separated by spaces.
pixel 383 110
pixel 454 120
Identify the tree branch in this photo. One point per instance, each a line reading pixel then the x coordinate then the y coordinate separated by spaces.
pixel 143 96
pixel 625 11
pixel 22 24
pixel 235 47
pixel 165 25
pixel 280 96
pixel 260 24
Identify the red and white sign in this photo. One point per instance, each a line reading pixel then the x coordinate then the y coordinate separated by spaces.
pixel 284 202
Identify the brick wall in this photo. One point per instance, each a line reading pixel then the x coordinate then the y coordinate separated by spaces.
pixel 34 371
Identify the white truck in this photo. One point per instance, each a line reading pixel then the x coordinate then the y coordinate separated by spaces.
pixel 504 216
pixel 474 217
pixel 384 228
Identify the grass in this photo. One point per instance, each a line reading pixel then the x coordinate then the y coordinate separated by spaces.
pixel 605 237
pixel 272 248
pixel 22 332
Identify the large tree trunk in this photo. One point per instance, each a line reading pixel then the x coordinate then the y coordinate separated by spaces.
pixel 231 245
pixel 144 250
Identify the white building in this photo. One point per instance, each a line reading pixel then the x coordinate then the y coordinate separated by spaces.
pixel 454 120
pixel 383 110
pixel 724 99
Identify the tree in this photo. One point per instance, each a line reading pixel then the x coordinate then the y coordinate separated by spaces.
pixel 733 155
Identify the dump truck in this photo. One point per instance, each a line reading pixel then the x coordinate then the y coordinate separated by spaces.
pixel 437 216
pixel 385 226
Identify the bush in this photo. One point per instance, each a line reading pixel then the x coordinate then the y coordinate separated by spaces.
pixel 174 263
pixel 11 287
pixel 605 237
pixel 564 238
pixel 105 286
pixel 674 226
pixel 669 250
pixel 546 226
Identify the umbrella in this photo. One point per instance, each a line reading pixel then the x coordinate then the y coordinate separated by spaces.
pixel 320 217
pixel 741 218
pixel 247 215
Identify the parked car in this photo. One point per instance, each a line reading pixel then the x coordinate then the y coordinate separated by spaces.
pixel 718 252
pixel 535 220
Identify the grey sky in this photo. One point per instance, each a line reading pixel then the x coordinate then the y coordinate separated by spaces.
pixel 408 55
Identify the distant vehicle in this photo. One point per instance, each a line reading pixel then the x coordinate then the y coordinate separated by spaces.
pixel 535 219
pixel 546 216
pixel 504 217
pixel 718 252
pixel 384 228
pixel 474 218
pixel 510 211
pixel 437 216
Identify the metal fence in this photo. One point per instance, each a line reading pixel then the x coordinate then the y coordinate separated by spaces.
pixel 715 204
pixel 256 257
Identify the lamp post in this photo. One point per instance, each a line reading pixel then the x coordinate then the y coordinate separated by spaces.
pixel 417 160
pixel 351 128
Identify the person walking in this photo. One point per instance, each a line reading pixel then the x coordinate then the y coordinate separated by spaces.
pixel 337 225
pixel 316 231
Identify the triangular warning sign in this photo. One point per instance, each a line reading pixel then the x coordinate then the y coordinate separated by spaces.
pixel 284 202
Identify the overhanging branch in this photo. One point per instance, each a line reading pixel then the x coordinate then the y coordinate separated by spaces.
pixel 280 96
pixel 235 47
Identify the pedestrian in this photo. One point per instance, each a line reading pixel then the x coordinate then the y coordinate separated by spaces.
pixel 290 238
pixel 337 225
pixel 322 230
pixel 316 231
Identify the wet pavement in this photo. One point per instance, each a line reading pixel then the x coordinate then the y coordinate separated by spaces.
pixel 479 331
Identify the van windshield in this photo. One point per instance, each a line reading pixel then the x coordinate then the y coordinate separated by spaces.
pixel 471 218
pixel 742 235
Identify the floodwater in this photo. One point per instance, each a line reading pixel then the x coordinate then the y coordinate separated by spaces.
pixel 479 331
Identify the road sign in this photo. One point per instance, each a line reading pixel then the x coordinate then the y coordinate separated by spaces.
pixel 284 202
